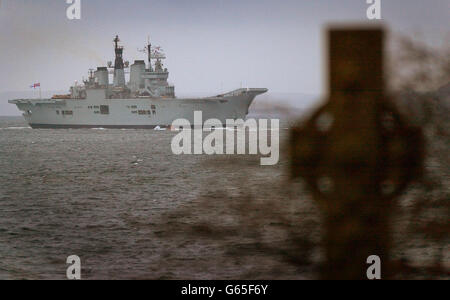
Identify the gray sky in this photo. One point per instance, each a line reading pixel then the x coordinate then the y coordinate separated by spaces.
pixel 212 45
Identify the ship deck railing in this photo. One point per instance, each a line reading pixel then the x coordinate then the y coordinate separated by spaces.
pixel 37 101
pixel 243 91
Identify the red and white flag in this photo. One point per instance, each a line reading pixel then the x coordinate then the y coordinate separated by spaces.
pixel 35 85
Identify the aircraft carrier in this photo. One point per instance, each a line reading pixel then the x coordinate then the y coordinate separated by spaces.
pixel 145 101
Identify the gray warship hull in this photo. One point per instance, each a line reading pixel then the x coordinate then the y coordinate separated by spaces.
pixel 96 111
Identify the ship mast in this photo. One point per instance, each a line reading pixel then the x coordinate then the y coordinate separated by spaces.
pixel 118 64
pixel 119 73
pixel 149 52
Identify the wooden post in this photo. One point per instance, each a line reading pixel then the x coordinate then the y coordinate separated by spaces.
pixel 356 154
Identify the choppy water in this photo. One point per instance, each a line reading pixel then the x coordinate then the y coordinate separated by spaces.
pixel 100 194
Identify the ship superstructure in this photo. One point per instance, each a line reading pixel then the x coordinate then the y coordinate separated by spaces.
pixel 145 101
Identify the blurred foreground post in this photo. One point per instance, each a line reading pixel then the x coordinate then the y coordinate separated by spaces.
pixel 357 155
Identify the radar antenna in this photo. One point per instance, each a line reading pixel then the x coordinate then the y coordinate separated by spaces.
pixel 153 53
pixel 148 49
pixel 158 53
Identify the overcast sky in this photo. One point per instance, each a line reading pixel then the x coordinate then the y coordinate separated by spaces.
pixel 211 45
